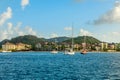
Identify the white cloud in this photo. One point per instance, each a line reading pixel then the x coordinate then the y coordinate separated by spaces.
pixel 10 25
pixel 17 29
pixel 112 16
pixel 68 28
pixel 24 3
pixel 11 31
pixel 29 30
pixel 53 35
pixel 85 33
pixel 21 33
pixel 3 34
pixel 109 36
pixel 116 33
pixel 5 16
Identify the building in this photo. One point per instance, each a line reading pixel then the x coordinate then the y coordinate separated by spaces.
pixel 19 46
pixel 76 46
pixel 104 45
pixel 111 46
pixel 27 47
pixel 8 46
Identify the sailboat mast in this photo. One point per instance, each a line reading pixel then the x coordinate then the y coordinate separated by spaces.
pixel 55 44
pixel 84 41
pixel 72 38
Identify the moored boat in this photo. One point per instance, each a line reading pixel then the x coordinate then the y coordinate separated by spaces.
pixel 83 52
pixel 71 50
pixel 54 52
pixel 6 51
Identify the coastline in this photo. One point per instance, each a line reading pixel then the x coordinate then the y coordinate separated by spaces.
pixel 64 51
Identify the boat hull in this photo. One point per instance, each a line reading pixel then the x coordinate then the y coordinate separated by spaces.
pixel 54 52
pixel 84 52
pixel 70 53
pixel 6 51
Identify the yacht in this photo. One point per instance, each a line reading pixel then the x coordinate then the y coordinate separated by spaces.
pixel 71 50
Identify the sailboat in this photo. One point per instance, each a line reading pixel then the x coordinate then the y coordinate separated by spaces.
pixel 84 51
pixel 71 50
pixel 54 51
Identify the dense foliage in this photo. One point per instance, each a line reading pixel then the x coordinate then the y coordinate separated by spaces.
pixel 33 40
pixel 27 39
pixel 81 39
pixel 58 39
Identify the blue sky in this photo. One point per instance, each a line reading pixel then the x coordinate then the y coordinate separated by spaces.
pixel 52 18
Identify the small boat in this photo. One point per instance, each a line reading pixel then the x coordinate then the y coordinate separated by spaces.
pixel 71 52
pixel 54 52
pixel 6 51
pixel 84 52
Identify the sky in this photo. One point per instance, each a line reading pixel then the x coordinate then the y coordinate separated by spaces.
pixel 55 18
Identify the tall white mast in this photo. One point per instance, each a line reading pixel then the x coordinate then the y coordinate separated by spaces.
pixel 72 38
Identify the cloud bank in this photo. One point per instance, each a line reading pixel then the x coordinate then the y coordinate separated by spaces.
pixel 8 30
pixel 85 33
pixel 11 31
pixel 5 16
pixel 112 16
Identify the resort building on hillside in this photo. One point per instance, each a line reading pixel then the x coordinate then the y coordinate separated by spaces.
pixel 111 46
pixel 27 47
pixel 8 46
pixel 19 46
pixel 104 45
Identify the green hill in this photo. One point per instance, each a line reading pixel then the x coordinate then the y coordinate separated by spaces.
pixel 58 39
pixel 33 40
pixel 27 39
pixel 80 39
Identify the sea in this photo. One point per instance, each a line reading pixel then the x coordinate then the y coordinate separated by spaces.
pixel 47 66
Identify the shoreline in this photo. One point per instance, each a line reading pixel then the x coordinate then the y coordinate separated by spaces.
pixel 64 51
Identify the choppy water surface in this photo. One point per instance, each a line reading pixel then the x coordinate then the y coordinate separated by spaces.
pixel 46 66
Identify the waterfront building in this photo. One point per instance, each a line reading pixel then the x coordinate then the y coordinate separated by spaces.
pixel 112 46
pixel 19 46
pixel 104 45
pixel 8 46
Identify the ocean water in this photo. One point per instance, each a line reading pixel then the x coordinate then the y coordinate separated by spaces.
pixel 47 66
